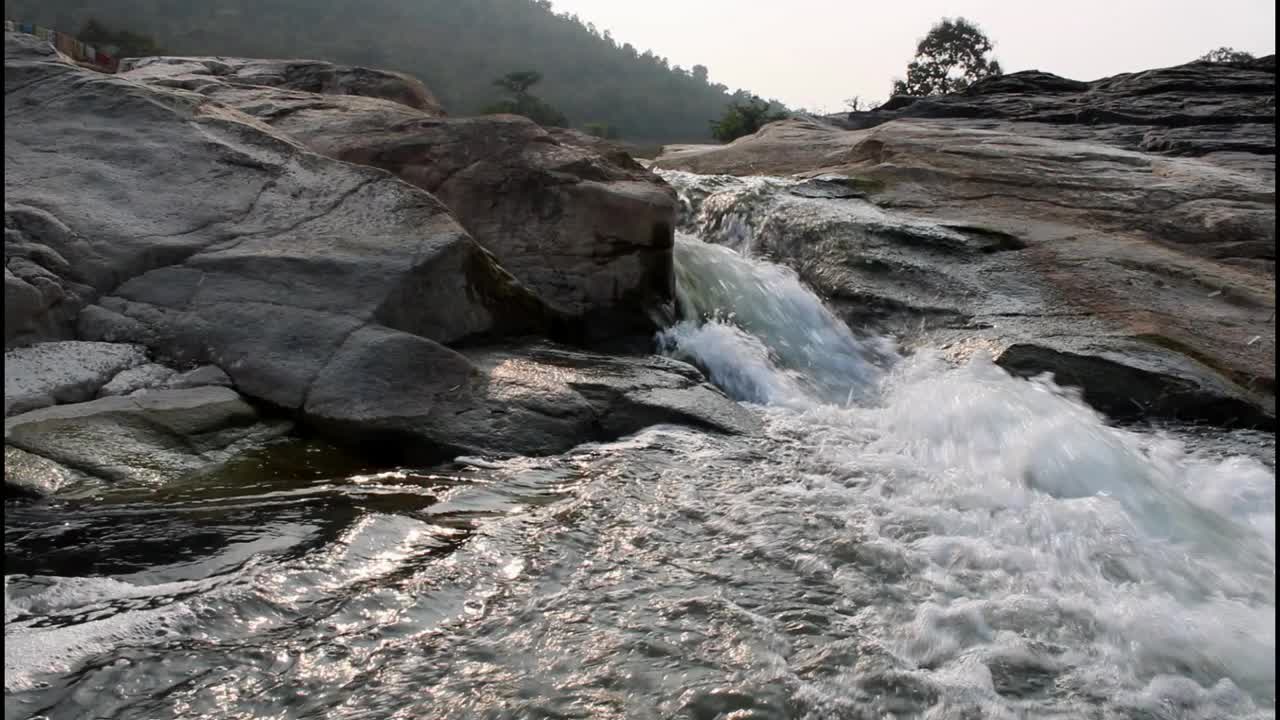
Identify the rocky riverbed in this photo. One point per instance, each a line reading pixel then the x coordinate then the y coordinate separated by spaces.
pixel 322 403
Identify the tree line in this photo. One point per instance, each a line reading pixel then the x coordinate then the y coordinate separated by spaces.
pixel 481 56
pixel 456 47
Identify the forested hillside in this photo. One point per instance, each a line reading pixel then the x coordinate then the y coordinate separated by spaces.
pixel 457 47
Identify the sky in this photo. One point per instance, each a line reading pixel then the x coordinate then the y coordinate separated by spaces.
pixel 813 54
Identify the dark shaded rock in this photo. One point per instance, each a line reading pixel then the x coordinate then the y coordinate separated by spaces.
pixel 1219 107
pixel 399 393
pixel 1140 384
pixel 43 294
pixel 833 187
pixel 203 376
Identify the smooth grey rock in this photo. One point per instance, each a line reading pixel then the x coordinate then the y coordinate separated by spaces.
pixel 96 322
pixel 141 378
pixel 205 375
pixel 63 372
pixel 216 239
pixel 150 438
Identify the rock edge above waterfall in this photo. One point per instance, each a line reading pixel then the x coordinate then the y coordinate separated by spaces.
pixel 1119 233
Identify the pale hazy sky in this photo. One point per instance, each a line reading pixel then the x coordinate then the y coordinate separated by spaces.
pixel 815 53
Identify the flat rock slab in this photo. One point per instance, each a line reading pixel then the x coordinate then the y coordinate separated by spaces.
pixel 136 379
pixel 63 372
pixel 150 438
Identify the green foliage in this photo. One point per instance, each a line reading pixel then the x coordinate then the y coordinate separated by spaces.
pixel 521 102
pixel 126 43
pixel 456 47
pixel 1226 55
pixel 953 56
pixel 745 117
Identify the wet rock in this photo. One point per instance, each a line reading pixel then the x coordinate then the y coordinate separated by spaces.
pixel 1138 382
pixel 63 372
pixel 590 232
pixel 31 476
pixel 148 438
pixel 833 187
pixel 397 393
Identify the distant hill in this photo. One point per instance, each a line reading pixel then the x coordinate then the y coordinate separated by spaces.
pixel 457 47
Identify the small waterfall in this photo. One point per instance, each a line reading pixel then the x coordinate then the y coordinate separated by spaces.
pixel 762 335
pixel 754 326
pixel 1032 516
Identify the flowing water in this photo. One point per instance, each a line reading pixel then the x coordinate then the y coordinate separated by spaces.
pixel 905 538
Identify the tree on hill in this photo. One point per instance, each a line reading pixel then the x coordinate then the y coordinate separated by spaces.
pixel 1226 55
pixel 521 102
pixel 518 83
pixel 953 56
pixel 745 117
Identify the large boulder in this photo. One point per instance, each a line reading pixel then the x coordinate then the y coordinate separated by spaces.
pixel 212 238
pixel 502 400
pixel 580 223
pixel 1144 273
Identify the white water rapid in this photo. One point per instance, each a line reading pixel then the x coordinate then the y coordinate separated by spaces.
pixel 1011 525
